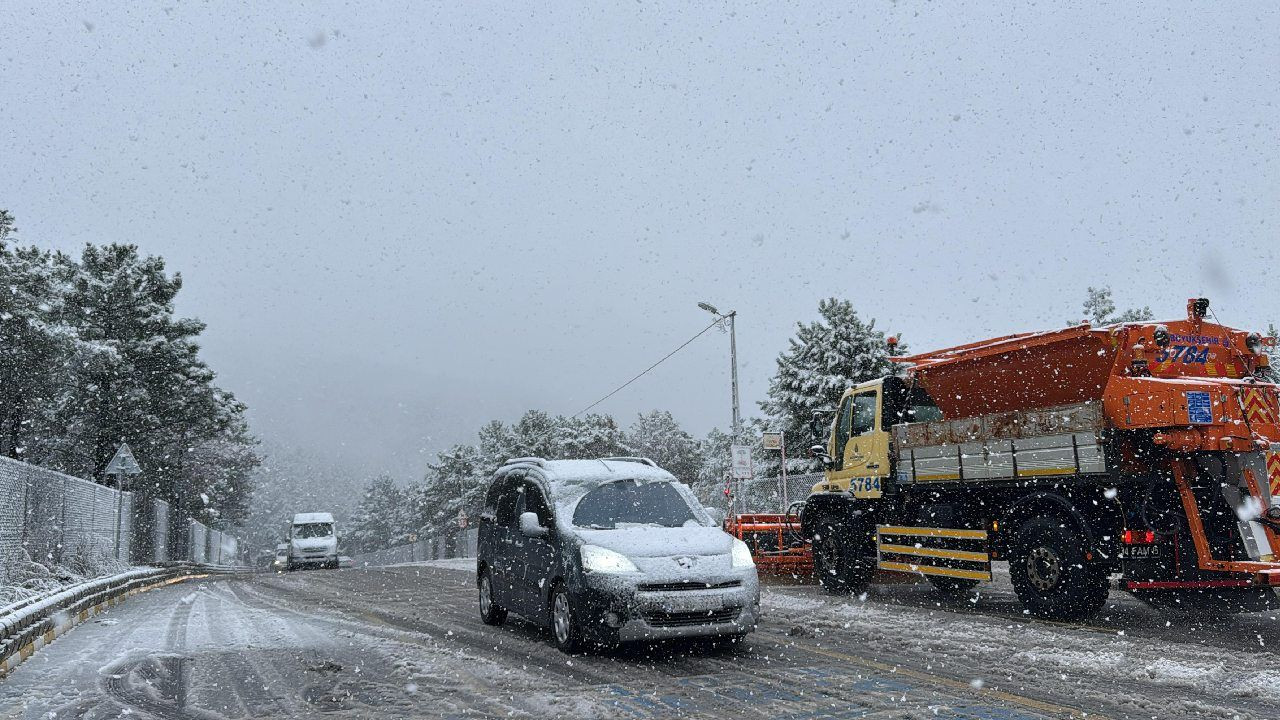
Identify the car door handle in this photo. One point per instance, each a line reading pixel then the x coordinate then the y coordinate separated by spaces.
pixel 873 465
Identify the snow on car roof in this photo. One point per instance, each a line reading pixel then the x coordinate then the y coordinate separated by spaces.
pixel 570 479
pixel 598 471
pixel 301 518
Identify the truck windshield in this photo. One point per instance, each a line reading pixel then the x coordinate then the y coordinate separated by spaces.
pixel 312 530
pixel 627 502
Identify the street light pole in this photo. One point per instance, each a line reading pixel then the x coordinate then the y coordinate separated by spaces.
pixel 731 316
pixel 733 360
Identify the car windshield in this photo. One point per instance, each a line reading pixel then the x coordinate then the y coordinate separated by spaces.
pixel 312 530
pixel 628 503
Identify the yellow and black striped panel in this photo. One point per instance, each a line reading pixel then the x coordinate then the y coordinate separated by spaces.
pixel 947 552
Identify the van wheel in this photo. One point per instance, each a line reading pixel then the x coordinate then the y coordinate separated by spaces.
pixel 837 561
pixel 1050 573
pixel 564 626
pixel 490 611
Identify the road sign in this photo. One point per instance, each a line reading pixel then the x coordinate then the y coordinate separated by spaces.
pixel 771 440
pixel 123 462
pixel 740 462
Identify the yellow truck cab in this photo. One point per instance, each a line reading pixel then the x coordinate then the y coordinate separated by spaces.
pixel 858 444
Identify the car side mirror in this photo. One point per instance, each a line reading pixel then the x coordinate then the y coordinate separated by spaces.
pixel 529 526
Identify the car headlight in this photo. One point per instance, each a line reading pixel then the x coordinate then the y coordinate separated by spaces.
pixel 741 555
pixel 603 560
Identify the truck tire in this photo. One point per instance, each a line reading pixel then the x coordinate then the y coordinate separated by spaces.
pixel 1050 573
pixel 839 559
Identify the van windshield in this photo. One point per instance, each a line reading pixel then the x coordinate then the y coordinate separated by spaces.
pixel 629 503
pixel 312 530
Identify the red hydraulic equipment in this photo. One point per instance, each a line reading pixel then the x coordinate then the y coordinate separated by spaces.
pixel 775 541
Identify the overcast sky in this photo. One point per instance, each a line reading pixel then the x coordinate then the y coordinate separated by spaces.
pixel 401 220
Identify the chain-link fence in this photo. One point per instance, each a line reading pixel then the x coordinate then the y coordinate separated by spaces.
pixel 461 544
pixel 52 520
pixel 764 495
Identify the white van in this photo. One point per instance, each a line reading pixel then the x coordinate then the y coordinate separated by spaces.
pixel 312 542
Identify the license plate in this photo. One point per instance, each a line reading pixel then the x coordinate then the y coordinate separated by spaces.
pixel 692 604
pixel 1141 552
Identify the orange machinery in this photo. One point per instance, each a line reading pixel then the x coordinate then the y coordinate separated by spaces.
pixel 775 541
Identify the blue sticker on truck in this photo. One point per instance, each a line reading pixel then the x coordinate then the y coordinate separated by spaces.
pixel 1199 408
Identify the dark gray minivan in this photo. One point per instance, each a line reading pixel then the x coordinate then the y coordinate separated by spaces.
pixel 608 551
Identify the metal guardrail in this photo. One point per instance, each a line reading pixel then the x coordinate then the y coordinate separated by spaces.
pixel 32 623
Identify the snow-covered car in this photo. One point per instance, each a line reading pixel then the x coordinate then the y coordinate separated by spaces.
pixel 608 551
pixel 312 541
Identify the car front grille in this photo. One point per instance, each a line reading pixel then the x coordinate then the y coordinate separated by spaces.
pixel 687 585
pixel 687 619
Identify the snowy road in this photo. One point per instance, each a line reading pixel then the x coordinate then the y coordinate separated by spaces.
pixel 406 642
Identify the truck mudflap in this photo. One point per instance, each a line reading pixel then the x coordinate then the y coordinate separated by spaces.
pixel 1251 498
pixel 945 552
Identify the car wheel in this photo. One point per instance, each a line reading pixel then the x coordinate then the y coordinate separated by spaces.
pixel 564 626
pixel 490 611
pixel 1050 573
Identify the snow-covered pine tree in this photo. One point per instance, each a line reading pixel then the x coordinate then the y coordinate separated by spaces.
pixel 457 481
pixel 380 520
pixel 141 380
pixel 36 347
pixel 590 436
pixel 1099 309
pixel 825 358
pixel 657 436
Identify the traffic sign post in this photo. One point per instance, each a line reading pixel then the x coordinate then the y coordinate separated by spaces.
pixel 775 440
pixel 122 465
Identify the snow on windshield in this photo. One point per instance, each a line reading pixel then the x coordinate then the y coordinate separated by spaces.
pixel 629 503
pixel 312 530
pixel 570 481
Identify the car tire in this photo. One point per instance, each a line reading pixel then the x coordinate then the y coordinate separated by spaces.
pixel 840 567
pixel 490 611
pixel 565 630
pixel 1050 573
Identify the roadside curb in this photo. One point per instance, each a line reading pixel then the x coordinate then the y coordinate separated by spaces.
pixel 39 622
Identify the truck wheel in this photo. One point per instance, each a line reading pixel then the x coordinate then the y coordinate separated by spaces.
pixel 1050 574
pixel 490 611
pixel 837 560
pixel 952 586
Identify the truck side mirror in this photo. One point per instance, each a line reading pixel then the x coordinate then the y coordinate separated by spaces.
pixel 529 526
pixel 817 427
pixel 819 452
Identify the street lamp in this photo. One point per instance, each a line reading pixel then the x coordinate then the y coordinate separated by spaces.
pixel 733 358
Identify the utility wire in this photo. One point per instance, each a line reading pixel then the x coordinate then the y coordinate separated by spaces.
pixel 534 441
pixel 644 372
